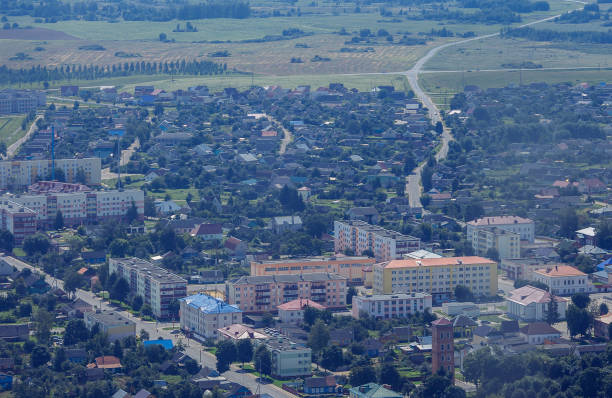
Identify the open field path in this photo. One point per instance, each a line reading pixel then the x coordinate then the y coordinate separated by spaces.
pixel 13 148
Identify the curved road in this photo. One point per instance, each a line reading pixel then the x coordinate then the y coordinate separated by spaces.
pixel 413 182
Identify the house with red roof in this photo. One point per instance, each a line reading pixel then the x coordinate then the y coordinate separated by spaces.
pixel 292 312
pixel 539 333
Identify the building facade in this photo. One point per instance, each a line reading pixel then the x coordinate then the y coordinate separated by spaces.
pixel 81 207
pixel 506 243
pixel 385 306
pixel 292 312
pixel 531 304
pixel 18 174
pixel 358 237
pixel 17 219
pixel 436 276
pixel 563 279
pixel 442 347
pixel 158 287
pixel 523 268
pixel 265 293
pixel 21 101
pixel 519 225
pixel 204 315
pixel 289 359
pixel 116 326
pixel 352 268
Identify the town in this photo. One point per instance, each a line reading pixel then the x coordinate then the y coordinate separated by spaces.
pixel 268 242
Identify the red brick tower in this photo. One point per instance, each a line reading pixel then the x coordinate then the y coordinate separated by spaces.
pixel 442 347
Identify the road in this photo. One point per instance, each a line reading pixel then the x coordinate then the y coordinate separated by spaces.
pixel 156 329
pixel 126 155
pixel 13 148
pixel 414 187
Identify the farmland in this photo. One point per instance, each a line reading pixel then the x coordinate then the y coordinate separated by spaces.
pixel 10 129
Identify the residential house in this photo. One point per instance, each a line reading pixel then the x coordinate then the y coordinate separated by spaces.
pixel 539 333
pixel 320 385
pixel 14 332
pixel 107 362
pixel 372 347
pixel 116 326
pixel 239 331
pixel 235 247
pixel 342 337
pixel 464 326
pixel 372 390
pixel 281 225
pixel 531 304
pixel 94 257
pixel 292 312
pixel 208 231
pixel 76 355
pixel 601 326
pixel 143 394
pixel 367 214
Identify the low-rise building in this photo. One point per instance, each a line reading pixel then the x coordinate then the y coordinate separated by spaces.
pixel 292 312
pixel 256 294
pixel 352 268
pixel 523 268
pixel 539 333
pixel 239 331
pixel 116 326
pixel 436 276
pixel 466 308
pixel 158 287
pixel 506 243
pixel 283 224
pixel 289 359
pixel 530 304
pixel 522 226
pixel 204 315
pixel 372 390
pixel 601 326
pixel 563 279
pixel 385 306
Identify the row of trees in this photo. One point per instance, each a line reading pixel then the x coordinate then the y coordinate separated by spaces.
pixel 577 36
pixel 91 72
pixel 243 351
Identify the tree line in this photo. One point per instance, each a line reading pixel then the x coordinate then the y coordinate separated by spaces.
pixel 40 73
pixel 56 10
pixel 586 36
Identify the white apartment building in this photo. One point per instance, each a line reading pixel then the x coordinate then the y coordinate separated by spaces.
pixel 23 173
pixel 157 286
pixel 505 242
pixel 289 359
pixel 203 315
pixel 563 279
pixel 436 276
pixel 519 225
pixel 83 207
pixel 385 306
pixel 358 236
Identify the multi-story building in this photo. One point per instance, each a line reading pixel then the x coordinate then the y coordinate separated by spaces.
pixel 358 237
pixel 385 306
pixel 203 315
pixel 531 304
pixel 351 268
pixel 506 243
pixel 83 206
pixel 562 279
pixel 157 286
pixel 442 347
pixel 116 326
pixel 18 174
pixel 436 276
pixel 289 359
pixel 519 225
pixel 17 219
pixel 21 101
pixel 523 268
pixel 266 293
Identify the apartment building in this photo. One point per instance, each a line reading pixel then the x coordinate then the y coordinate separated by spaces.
pixel 21 101
pixel 289 359
pixel 157 286
pixel 523 268
pixel 358 236
pixel 519 225
pixel 256 294
pixel 116 326
pixel 385 306
pixel 352 268
pixel 436 276
pixel 505 242
pixel 17 219
pixel 83 206
pixel 563 279
pixel 204 315
pixel 19 174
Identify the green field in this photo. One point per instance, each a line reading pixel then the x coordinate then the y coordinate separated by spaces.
pixel 10 129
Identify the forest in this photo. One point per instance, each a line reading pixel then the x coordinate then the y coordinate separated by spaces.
pixel 582 36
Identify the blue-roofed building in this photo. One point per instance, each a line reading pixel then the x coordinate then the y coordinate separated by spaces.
pixel 202 315
pixel 167 344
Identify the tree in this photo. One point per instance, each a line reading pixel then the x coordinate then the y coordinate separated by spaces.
pixel 492 253
pixel 7 241
pixel 263 360
pixel 132 213
pixel 350 292
pixel 120 289
pixel 568 220
pixel 578 320
pixel 144 335
pixel 39 356
pixel 59 359
pixel 59 220
pixel 435 386
pixel 158 110
pixel 332 357
pixel 361 375
pixel 163 37
pixel 581 300
pixel 389 375
pixel 137 302
pixel 119 247
pixel 191 366
pixel 310 315
pixel 590 382
pixel 245 350
pixel 75 332
pixel 604 236
pixel 603 309
pixel 318 337
pixel 44 322
pixel 72 281
pixel 552 311
pixel 37 243
pixel 226 354
pixel 439 127
pixel 463 293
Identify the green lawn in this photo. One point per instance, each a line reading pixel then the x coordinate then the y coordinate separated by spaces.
pixel 10 129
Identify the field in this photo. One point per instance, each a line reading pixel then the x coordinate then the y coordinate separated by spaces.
pixel 10 129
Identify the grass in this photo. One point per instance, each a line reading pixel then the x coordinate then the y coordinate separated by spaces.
pixel 171 379
pixel 17 251
pixel 277 382
pixel 10 129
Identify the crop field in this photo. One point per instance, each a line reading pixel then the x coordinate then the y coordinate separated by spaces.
pixel 10 129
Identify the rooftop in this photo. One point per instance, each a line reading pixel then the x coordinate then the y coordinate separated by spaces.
pixel 315 277
pixel 300 304
pixel 338 259
pixel 238 331
pixel 377 230
pixel 157 273
pixel 499 220
pixel 560 271
pixel 373 390
pixel 537 328
pixel 528 294
pixel 437 262
pixel 109 318
pixel 398 296
pixel 284 344
pixel 209 304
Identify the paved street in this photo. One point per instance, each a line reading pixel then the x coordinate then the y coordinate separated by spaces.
pixel 157 329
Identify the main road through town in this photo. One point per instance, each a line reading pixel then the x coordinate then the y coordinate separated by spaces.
pixel 414 187
pixel 164 330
